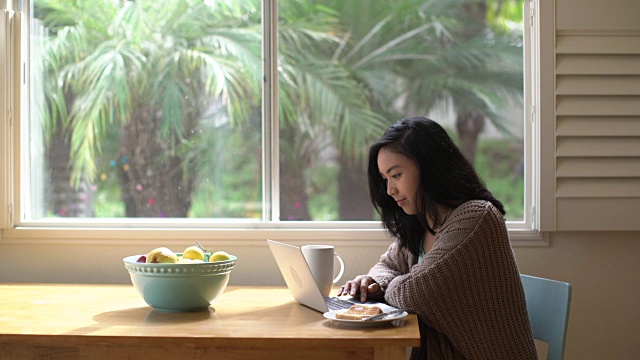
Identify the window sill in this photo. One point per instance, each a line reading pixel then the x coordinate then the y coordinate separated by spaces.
pixel 359 236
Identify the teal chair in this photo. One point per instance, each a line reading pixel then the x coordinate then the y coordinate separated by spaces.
pixel 548 303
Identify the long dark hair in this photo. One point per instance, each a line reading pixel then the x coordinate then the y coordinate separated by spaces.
pixel 446 178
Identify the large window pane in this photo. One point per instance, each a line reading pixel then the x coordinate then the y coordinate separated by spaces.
pixel 351 68
pixel 149 109
pixel 145 109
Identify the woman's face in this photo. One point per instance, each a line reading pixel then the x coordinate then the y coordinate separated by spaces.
pixel 402 177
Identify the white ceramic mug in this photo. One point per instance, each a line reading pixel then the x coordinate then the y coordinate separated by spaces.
pixel 320 260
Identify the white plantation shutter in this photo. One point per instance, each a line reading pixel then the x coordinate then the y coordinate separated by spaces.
pixel 597 116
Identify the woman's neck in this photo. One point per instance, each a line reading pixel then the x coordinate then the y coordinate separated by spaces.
pixel 429 241
pixel 429 238
pixel 443 213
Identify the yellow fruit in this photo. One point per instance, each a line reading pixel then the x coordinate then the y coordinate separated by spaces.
pixel 162 255
pixel 219 256
pixel 193 252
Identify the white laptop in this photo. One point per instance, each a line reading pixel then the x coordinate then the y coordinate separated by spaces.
pixel 299 279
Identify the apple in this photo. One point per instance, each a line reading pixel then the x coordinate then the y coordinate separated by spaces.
pixel 162 255
pixel 219 256
pixel 193 253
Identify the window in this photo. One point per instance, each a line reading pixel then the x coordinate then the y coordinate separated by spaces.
pixel 162 115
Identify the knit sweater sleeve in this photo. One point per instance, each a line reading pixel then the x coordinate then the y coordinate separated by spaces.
pixel 468 287
pixel 393 263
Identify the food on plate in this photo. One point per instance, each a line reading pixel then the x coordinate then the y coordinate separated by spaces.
pixel 193 253
pixel 161 255
pixel 358 312
pixel 142 259
pixel 219 256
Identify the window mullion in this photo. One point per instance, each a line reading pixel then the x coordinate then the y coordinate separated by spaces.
pixel 270 154
pixel 530 123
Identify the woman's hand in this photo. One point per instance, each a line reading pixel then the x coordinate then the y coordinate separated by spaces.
pixel 363 285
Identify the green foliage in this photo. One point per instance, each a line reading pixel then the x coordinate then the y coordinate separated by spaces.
pixel 229 184
pixel 323 205
pixel 503 14
pixel 117 60
pixel 344 74
pixel 498 163
pixel 107 203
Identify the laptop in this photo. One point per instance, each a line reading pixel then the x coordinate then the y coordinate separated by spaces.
pixel 303 287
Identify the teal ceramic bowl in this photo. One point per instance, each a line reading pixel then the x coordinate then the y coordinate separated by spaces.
pixel 179 287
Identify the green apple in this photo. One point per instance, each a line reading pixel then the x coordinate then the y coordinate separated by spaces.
pixel 219 256
pixel 193 253
pixel 162 255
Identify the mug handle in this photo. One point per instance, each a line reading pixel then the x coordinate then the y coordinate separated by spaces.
pixel 341 268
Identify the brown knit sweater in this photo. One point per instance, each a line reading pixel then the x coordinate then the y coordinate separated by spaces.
pixel 466 292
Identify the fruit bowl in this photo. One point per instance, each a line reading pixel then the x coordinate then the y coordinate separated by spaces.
pixel 179 287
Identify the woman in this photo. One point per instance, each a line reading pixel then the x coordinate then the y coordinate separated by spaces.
pixel 451 262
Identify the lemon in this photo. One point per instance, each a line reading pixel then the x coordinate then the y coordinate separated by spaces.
pixel 193 253
pixel 219 256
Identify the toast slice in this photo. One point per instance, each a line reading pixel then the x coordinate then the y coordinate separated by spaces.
pixel 358 312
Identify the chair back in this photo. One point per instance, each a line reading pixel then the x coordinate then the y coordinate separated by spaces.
pixel 548 303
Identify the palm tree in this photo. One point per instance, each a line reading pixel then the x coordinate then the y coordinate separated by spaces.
pixel 393 58
pixel 475 71
pixel 142 69
pixel 65 199
pixel 319 99
pixel 150 69
pixel 146 75
pixel 408 57
pixel 445 56
pixel 374 44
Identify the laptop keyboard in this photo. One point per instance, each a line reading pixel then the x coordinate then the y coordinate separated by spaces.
pixel 334 303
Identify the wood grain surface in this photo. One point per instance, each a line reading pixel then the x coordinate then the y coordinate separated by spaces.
pixel 59 321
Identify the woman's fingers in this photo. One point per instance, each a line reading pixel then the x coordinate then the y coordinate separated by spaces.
pixel 373 288
pixel 352 287
pixel 364 288
pixel 346 288
pixel 362 285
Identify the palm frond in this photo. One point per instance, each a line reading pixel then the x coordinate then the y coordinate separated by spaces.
pixel 392 43
pixel 101 82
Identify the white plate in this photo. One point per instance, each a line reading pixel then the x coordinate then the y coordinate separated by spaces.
pixel 332 316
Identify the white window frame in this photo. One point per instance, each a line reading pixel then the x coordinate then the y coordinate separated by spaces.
pixel 239 232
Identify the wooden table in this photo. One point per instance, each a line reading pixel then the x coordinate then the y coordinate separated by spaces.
pixel 113 322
